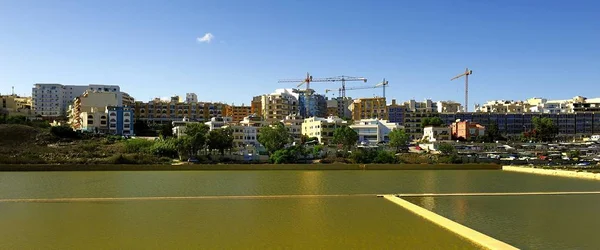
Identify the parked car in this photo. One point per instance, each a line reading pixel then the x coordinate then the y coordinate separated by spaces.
pixel 583 164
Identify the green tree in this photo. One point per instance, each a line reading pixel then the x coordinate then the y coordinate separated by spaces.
pixel 492 133
pixel 317 149
pixel 220 139
pixel 166 130
pixel 195 134
pixel 431 121
pixel 345 136
pixel 446 148
pixel 385 157
pixel 274 137
pixel 286 155
pixel 399 138
pixel 573 154
pixel 543 129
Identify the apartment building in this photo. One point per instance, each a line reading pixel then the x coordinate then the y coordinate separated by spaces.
pixel 256 105
pixel 412 123
pixel 237 113
pixel 310 103
pixel 294 126
pixel 322 128
pixel 276 106
pixel 120 120
pixel 127 99
pixel 191 98
pixel 466 130
pixel 89 104
pixel 449 107
pixel 366 108
pixel 436 134
pixel 53 99
pixel 339 106
pixel 218 122
pixel 504 106
pixel 15 104
pixel 166 111
pixel 373 131
pixel 179 127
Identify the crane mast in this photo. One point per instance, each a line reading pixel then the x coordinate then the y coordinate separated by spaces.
pixel 466 75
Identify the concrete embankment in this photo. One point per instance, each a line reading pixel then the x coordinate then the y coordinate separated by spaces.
pixel 553 172
pixel 126 167
pixel 466 232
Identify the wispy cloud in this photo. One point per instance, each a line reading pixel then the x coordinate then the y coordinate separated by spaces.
pixel 206 38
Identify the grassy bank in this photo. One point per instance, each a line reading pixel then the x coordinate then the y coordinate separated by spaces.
pixel 208 167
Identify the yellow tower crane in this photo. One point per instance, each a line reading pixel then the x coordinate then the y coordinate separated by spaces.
pixel 466 75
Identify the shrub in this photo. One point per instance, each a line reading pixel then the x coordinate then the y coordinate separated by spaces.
pixel 63 132
pixel 138 145
pixel 164 148
pixel 385 157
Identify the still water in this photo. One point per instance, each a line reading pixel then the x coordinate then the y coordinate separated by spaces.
pixel 323 222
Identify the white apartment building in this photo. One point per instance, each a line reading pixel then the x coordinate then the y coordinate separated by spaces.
pixel 373 131
pixel 218 122
pixel 434 134
pixel 322 128
pixel 191 98
pixel 53 99
pixel 449 107
pixel 294 126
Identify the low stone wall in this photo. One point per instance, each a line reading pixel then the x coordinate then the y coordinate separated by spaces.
pixel 466 232
pixel 554 172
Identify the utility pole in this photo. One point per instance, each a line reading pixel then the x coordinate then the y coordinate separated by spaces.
pixel 466 75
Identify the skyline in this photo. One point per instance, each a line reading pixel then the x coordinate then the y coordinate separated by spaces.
pixel 151 49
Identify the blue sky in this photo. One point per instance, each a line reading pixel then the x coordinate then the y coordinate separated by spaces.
pixel 516 49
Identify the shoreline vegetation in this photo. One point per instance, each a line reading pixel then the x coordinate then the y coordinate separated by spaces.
pixel 309 166
pixel 31 144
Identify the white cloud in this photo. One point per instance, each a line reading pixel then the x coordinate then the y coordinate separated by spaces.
pixel 206 38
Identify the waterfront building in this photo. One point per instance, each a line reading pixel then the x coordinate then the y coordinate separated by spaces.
pixel 120 120
pixel 366 108
pixel 373 131
pixel 436 134
pixel 276 106
pixel 512 125
pixel 166 111
pixel 218 122
pixel 88 104
pixel 237 113
pixel 191 98
pixel 412 123
pixel 396 112
pixel 53 99
pixel 243 136
pixel 466 130
pixel 322 128
pixel 311 104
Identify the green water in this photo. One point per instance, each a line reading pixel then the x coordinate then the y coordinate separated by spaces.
pixel 323 223
pixel 527 222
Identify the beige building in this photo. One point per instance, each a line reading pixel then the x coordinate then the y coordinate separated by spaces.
pixel 127 100
pixel 322 128
pixel 294 126
pixel 90 102
pixel 449 107
pixel 373 131
pixel 15 104
pixel 367 108
pixel 276 106
pixel 504 106
pixel 95 120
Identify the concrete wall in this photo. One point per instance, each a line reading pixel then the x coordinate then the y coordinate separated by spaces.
pixel 554 172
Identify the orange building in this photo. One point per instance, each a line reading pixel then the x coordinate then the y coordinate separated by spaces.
pixel 465 130
pixel 256 106
pixel 237 113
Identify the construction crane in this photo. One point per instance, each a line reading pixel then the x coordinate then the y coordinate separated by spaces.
pixel 310 79
pixel 466 75
pixel 383 85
